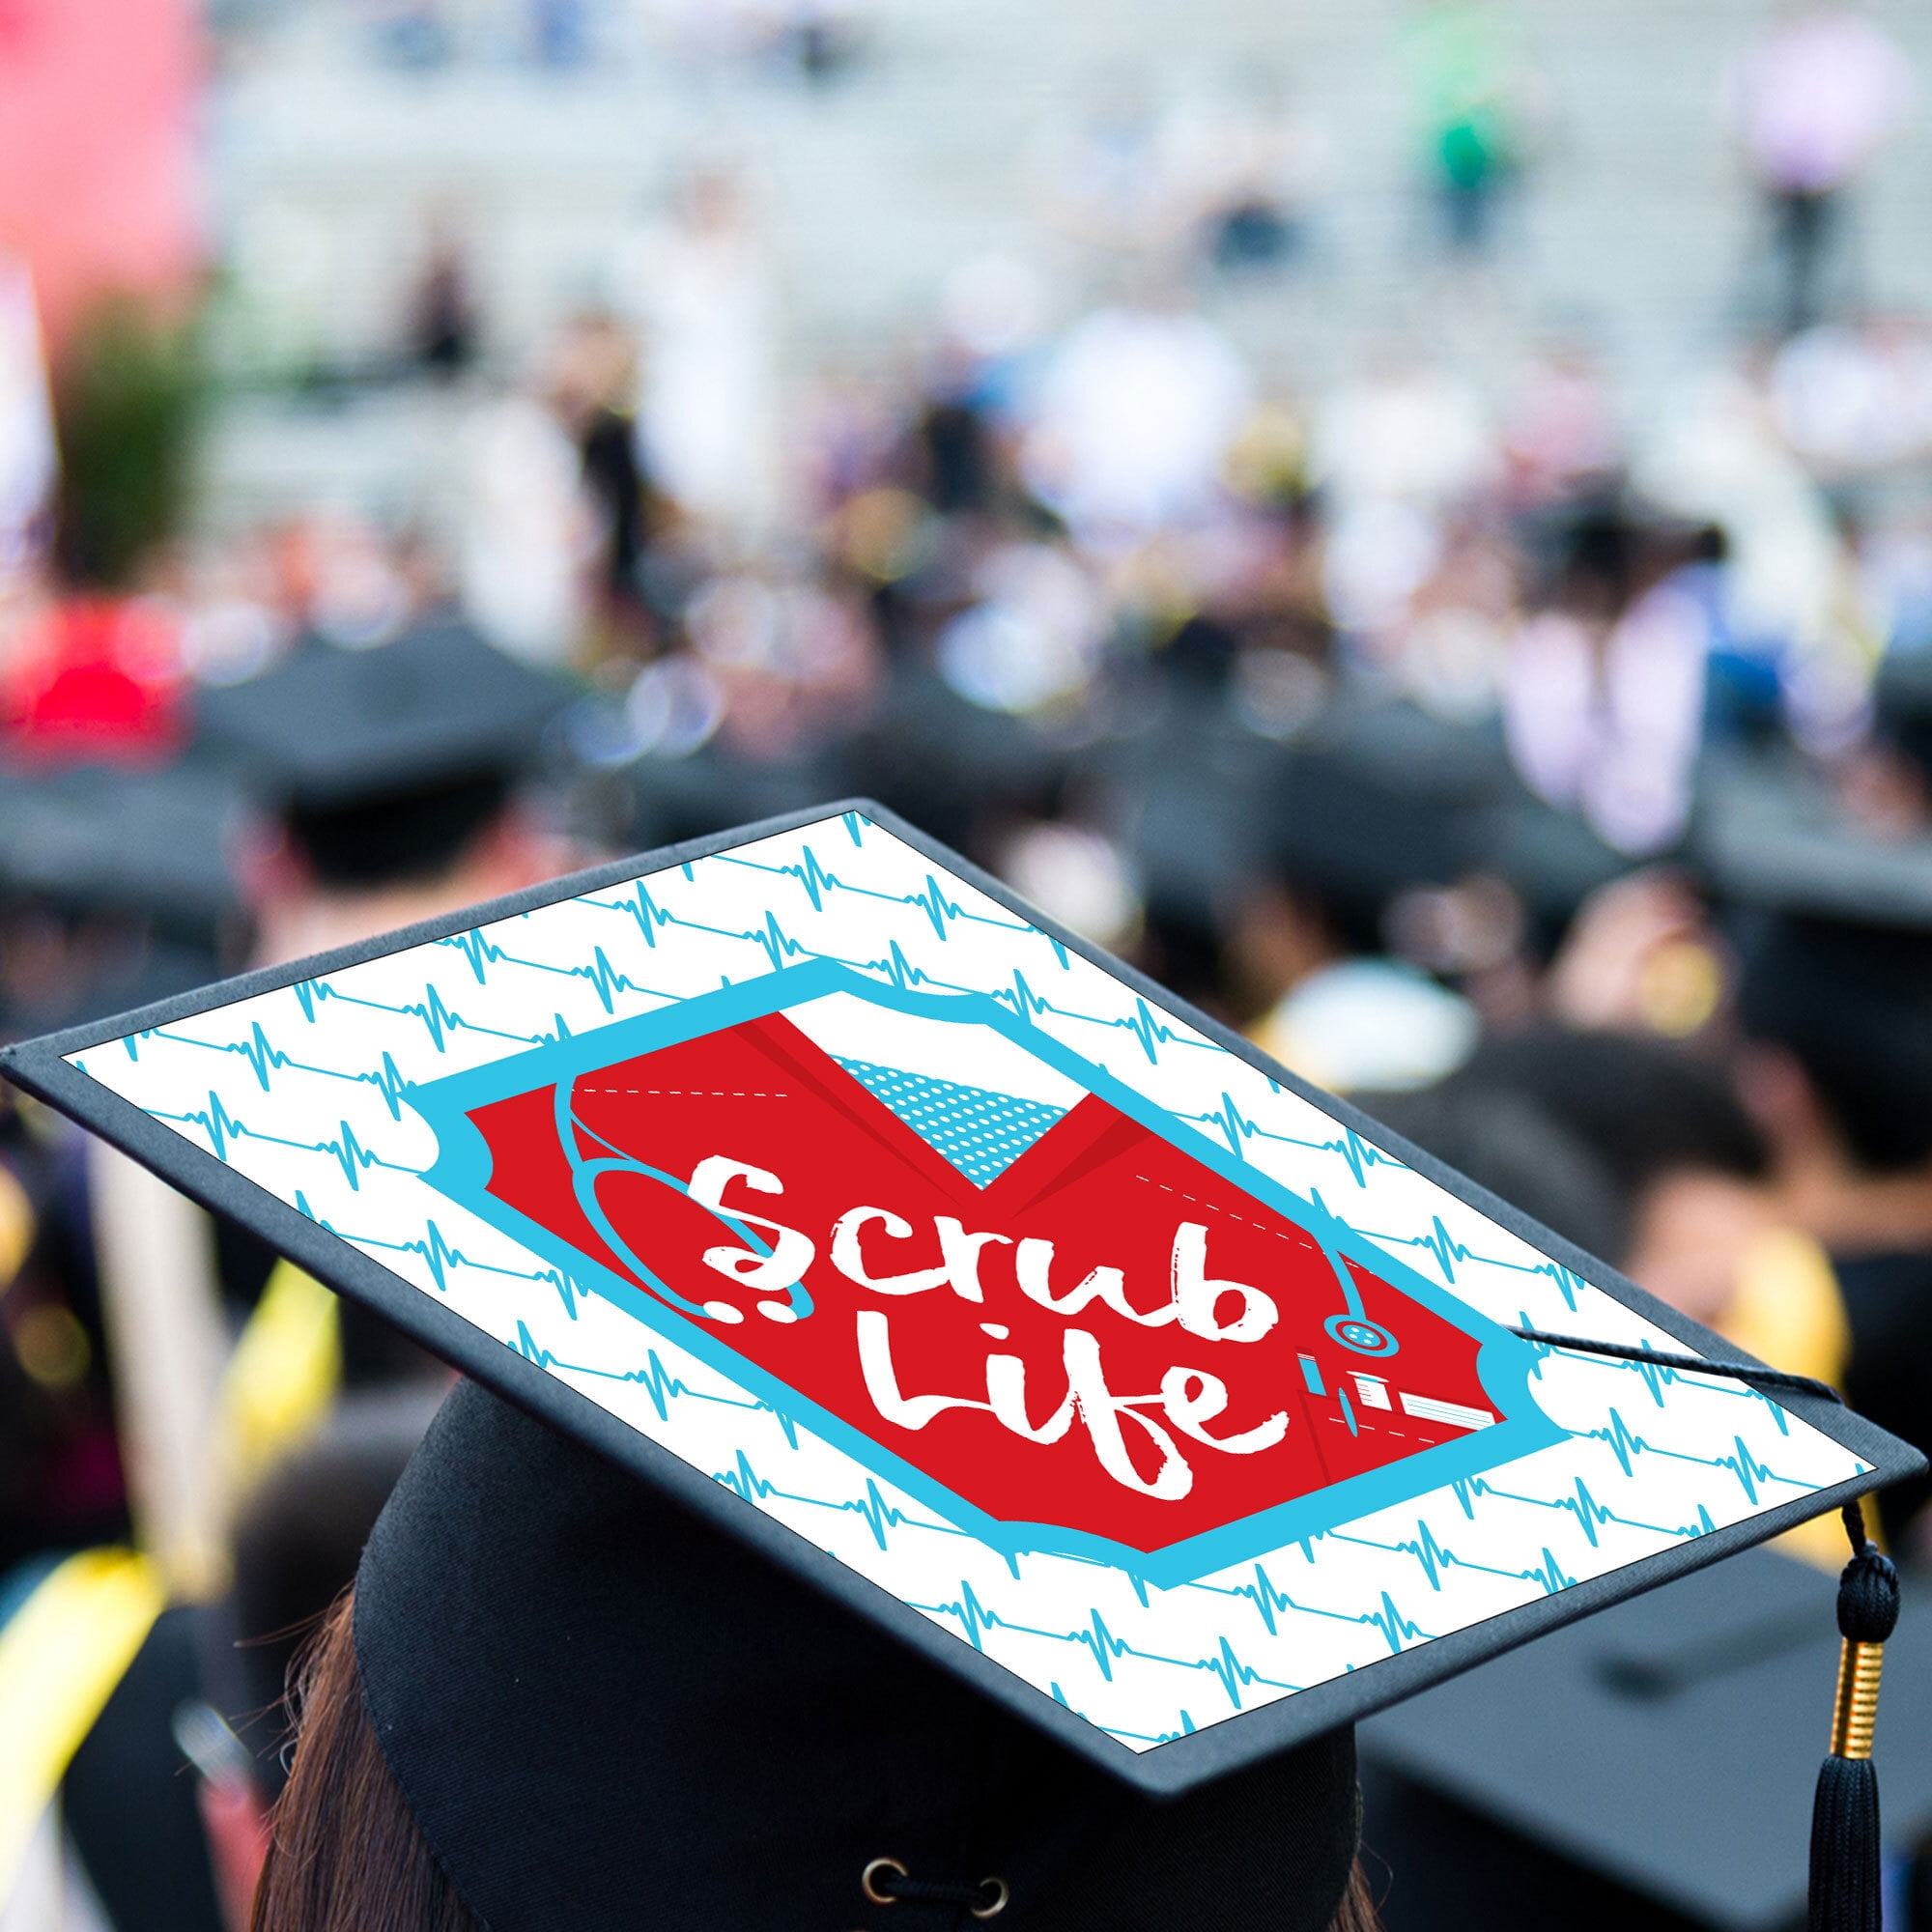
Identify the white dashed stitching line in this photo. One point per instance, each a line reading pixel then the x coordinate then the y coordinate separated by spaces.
pixel 1214 1208
pixel 686 1093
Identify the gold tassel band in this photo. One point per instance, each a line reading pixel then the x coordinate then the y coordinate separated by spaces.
pixel 1855 1717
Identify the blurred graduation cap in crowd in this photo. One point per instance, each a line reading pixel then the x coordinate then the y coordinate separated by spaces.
pixel 850 1663
pixel 1777 841
pixel 1832 926
pixel 382 762
pixel 1378 800
pixel 945 761
pixel 1365 802
pixel 1648 1767
pixel 114 887
pixel 1902 703
pixel 1550 857
pixel 1833 923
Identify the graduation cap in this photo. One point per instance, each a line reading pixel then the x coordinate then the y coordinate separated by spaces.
pixel 936 1278
pixel 114 887
pixel 382 761
pixel 119 839
pixel 1834 925
pixel 1651 1761
pixel 1771 837
pixel 1833 928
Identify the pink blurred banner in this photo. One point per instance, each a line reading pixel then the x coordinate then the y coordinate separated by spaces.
pixel 97 188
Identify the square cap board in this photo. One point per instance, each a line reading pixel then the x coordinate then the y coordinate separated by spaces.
pixel 809 1175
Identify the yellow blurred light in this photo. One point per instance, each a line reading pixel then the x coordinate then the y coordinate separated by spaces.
pixel 1678 987
pixel 52 1345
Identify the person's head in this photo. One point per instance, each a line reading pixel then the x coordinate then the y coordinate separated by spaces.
pixel 332 873
pixel 559 1699
pixel 346 1851
pixel 295 1543
pixel 412 836
pixel 1841 1015
pixel 1344 834
pixel 1671 1137
pixel 390 781
pixel 1507 1143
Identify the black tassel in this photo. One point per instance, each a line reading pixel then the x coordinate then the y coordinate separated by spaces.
pixel 1844 1818
pixel 1844 1847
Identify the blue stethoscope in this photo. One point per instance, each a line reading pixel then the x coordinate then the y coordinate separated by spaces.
pixel 1352 1329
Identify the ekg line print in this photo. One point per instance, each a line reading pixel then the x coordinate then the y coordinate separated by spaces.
pixel 305 1091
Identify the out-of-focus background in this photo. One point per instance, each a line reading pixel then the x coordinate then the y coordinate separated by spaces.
pixel 1410 521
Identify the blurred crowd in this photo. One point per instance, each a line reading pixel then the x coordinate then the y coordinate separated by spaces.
pixel 1552 777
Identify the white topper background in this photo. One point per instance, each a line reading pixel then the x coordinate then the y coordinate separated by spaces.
pixel 299 1089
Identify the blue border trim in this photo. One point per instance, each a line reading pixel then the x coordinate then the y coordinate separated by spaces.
pixel 1504 1363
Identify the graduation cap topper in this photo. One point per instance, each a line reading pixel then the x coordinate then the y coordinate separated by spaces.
pixel 812 1177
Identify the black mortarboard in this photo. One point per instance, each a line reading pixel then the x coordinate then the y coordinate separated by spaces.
pixel 1833 925
pixel 1377 798
pixel 382 761
pixel 1157 1405
pixel 1657 1756
pixel 948 763
pixel 1771 837
pixel 114 885
pixel 119 839
pixel 1550 857
pixel 694 1727
pixel 330 726
pixel 1903 702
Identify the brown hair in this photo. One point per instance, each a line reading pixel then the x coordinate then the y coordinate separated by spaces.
pixel 1356 1911
pixel 344 1852
pixel 346 1856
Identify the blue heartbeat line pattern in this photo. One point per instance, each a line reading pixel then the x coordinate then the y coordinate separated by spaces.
pixel 307 1091
pixel 871 1509
pixel 1106 1650
pixel 1449 1255
pixel 1235 1128
pixel 224 1129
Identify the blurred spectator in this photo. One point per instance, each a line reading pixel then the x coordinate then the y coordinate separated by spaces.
pixel 1855 398
pixel 1603 706
pixel 1839 1017
pixel 1684 1157
pixel 389 779
pixel 1560 433
pixel 444 324
pixel 819 38
pixel 1719 461
pixel 1132 421
pixel 1100 172
pixel 1308 946
pixel 1644 1154
pixel 358 595
pixel 1813 100
pixel 592 392
pixel 1242 165
pixel 1638 958
pixel 96 678
pixel 1466 86
pixel 1393 451
pixel 298 1540
pixel 699 289
pixel 559 33
pixel 528 532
